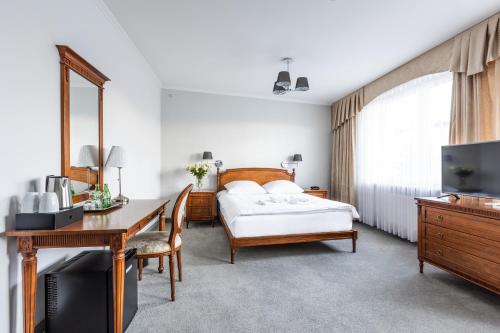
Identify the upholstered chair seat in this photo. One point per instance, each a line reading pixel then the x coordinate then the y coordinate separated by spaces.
pixel 153 242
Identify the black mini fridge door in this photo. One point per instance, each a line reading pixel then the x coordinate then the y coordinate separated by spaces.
pixel 79 293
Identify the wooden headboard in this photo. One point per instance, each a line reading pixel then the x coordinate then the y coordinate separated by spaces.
pixel 83 175
pixel 259 175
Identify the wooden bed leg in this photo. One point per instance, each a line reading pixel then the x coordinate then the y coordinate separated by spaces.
pixel 421 266
pixel 354 238
pixel 233 254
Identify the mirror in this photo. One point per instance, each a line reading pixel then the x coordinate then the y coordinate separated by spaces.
pixel 82 87
pixel 83 132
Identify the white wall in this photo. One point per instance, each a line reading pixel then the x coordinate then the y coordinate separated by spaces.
pixel 30 114
pixel 242 132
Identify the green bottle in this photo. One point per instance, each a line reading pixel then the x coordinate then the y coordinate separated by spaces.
pixel 106 197
pixel 97 197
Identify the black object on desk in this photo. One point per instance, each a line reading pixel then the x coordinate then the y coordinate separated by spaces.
pixel 48 221
pixel 79 293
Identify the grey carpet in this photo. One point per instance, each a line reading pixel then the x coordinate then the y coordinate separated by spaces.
pixel 316 287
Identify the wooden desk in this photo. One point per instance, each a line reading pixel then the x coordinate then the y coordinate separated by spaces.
pixel 110 229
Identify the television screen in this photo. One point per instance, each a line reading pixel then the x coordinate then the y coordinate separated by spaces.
pixel 472 169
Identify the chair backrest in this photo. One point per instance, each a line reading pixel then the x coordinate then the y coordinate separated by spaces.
pixel 179 214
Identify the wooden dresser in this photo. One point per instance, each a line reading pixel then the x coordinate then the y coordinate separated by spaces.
pixel 201 206
pixel 461 236
pixel 318 193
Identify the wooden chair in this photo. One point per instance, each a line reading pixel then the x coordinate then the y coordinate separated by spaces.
pixel 157 244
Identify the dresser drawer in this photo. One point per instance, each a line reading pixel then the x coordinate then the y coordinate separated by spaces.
pixel 480 247
pixel 470 224
pixel 459 261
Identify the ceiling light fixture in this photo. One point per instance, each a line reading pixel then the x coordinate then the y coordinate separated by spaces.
pixel 283 83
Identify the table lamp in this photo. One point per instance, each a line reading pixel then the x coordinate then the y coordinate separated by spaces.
pixel 88 157
pixel 118 160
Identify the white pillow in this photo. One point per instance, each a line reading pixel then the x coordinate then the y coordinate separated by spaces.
pixel 282 187
pixel 244 187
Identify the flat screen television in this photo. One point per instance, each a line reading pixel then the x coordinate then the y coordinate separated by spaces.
pixel 471 169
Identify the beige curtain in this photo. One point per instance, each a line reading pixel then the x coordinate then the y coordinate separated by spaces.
pixel 344 141
pixel 475 63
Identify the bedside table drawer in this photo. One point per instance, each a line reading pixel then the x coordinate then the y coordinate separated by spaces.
pixel 201 206
pixel 318 193
pixel 196 213
pixel 200 201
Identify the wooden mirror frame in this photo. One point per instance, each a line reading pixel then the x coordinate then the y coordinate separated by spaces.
pixel 70 60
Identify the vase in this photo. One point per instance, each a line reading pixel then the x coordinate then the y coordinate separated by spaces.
pixel 199 183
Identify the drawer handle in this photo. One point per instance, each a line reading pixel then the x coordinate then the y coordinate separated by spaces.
pixel 439 218
pixel 439 235
pixel 439 252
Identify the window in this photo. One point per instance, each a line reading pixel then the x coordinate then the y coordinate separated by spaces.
pixel 398 152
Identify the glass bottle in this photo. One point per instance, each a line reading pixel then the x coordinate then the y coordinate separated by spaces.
pixel 106 197
pixel 97 196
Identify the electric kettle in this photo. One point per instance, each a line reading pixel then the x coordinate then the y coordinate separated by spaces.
pixel 61 186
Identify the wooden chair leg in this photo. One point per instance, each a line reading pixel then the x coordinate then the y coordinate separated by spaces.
pixel 140 262
pixel 179 263
pixel 172 276
pixel 160 264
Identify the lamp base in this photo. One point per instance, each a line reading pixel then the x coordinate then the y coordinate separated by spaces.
pixel 121 199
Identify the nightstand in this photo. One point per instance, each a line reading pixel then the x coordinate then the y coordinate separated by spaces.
pixel 317 193
pixel 201 206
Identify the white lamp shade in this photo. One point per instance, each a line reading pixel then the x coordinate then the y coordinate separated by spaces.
pixel 116 157
pixel 88 156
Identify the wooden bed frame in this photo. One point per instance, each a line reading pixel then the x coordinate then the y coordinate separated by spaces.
pixel 262 176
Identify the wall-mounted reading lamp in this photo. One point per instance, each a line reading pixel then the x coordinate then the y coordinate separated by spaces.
pixel 207 158
pixel 295 161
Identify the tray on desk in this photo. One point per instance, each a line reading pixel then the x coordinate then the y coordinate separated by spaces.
pixel 102 210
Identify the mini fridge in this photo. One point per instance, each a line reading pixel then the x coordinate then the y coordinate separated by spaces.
pixel 79 293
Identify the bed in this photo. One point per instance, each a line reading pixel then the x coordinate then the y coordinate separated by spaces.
pixel 248 223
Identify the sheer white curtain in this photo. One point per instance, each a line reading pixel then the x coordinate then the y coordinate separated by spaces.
pixel 398 149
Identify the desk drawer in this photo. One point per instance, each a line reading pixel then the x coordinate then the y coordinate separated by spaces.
pixel 480 247
pixel 459 261
pixel 470 224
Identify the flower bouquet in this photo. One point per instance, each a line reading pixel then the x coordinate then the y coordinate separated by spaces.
pixel 199 170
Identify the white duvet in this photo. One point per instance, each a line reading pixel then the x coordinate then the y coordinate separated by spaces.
pixel 236 205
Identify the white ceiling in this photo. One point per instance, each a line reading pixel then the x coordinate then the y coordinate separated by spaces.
pixel 234 46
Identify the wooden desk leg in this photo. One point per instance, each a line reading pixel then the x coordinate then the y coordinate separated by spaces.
pixel 118 244
pixel 25 247
pixel 161 223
